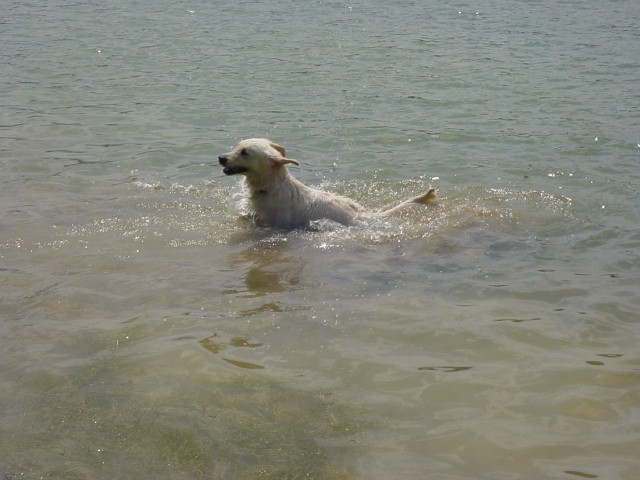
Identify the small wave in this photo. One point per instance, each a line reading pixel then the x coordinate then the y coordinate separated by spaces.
pixel 186 215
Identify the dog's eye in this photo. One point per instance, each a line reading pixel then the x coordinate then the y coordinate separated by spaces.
pixel 244 152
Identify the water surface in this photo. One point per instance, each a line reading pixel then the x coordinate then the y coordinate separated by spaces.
pixel 149 332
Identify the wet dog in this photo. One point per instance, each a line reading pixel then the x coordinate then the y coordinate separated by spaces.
pixel 279 200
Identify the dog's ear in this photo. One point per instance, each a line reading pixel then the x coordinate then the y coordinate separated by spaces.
pixel 279 148
pixel 281 161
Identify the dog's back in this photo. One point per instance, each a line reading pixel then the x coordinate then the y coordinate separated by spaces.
pixel 291 204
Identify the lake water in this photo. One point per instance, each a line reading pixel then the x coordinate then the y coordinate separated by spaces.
pixel 148 332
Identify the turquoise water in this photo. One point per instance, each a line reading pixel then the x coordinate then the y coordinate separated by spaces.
pixel 149 332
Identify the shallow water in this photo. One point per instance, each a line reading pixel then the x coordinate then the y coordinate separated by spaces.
pixel 149 332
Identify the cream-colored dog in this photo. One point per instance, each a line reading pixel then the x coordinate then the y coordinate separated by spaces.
pixel 281 201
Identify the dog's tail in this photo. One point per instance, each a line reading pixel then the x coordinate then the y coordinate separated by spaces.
pixel 429 198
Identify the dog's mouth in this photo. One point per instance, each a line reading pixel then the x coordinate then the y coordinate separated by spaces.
pixel 234 170
pixel 230 169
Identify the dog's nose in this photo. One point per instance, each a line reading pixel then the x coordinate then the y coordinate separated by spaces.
pixel 223 160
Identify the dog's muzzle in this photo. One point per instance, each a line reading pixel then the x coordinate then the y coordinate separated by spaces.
pixel 224 161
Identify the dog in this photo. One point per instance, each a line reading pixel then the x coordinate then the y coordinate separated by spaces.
pixel 279 200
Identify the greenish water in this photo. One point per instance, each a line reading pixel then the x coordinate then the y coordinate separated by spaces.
pixel 148 332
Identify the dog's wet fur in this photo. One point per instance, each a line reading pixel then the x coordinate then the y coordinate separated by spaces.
pixel 280 200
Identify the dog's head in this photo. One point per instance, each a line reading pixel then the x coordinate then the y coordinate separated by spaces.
pixel 258 159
